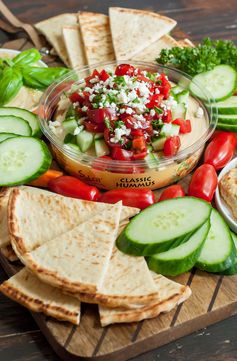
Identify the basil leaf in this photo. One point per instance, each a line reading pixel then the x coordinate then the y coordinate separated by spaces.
pixel 41 78
pixel 29 56
pixel 10 84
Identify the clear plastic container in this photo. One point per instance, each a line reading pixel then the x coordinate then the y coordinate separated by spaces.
pixel 130 174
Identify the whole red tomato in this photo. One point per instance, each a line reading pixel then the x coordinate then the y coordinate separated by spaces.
pixel 173 191
pixel 203 183
pixel 220 150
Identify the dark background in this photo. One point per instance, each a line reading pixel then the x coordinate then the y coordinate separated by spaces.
pixel 20 337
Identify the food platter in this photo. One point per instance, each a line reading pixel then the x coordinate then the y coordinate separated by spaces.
pixel 213 299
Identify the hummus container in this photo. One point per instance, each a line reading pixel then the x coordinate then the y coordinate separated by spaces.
pixel 130 174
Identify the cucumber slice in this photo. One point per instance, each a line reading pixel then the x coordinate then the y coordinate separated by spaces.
pixel 218 251
pixel 176 90
pixel 219 82
pixel 101 148
pixel 169 130
pixel 4 136
pixel 179 111
pixel 15 125
pixel 227 127
pixel 74 147
pixel 158 143
pixel 227 119
pixel 228 106
pixel 84 140
pixel 182 258
pixel 22 159
pixel 69 138
pixel 30 117
pixel 157 227
pixel 69 125
pixel 233 269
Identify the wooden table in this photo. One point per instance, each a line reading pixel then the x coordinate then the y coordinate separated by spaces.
pixel 20 338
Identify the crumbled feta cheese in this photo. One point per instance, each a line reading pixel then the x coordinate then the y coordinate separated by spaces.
pixel 170 102
pixel 157 91
pixel 76 104
pixel 122 97
pixel 143 89
pixel 89 90
pixel 78 130
pixel 152 112
pixel 199 113
pixel 94 80
pixel 119 132
pixel 84 108
pixel 129 110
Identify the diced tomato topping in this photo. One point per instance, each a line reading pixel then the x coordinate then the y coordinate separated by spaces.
pixel 185 125
pixel 75 97
pixel 124 69
pixel 99 115
pixel 129 122
pixel 154 101
pixel 140 155
pixel 92 76
pixel 171 146
pixel 139 143
pixel 136 132
pixel 121 154
pixel 103 75
pixel 167 117
pixel 107 135
pixel 93 127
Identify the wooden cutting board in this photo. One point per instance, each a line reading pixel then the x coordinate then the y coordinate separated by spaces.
pixel 214 298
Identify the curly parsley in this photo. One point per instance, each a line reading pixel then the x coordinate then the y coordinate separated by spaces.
pixel 203 57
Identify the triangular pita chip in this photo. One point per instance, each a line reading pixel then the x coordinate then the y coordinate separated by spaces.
pixel 9 253
pixel 170 293
pixel 29 291
pixel 133 30
pixel 52 29
pixel 150 53
pixel 96 36
pixel 34 219
pixel 74 45
pixel 78 260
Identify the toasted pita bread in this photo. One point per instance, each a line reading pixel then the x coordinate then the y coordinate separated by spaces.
pixel 133 30
pixel 150 53
pixel 186 43
pixel 9 253
pixel 96 36
pixel 29 291
pixel 74 45
pixel 52 29
pixel 36 218
pixel 171 294
pixel 78 260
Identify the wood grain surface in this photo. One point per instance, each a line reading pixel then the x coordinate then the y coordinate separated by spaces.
pixel 20 337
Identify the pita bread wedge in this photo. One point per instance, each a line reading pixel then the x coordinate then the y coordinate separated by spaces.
pixel 150 53
pixel 36 218
pixel 134 30
pixel 78 260
pixel 9 253
pixel 171 295
pixel 96 36
pixel 52 29
pixel 74 45
pixel 29 291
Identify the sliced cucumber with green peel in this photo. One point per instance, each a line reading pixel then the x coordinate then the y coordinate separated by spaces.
pixel 15 125
pixel 218 252
pixel 70 125
pixel 182 258
pixel 233 269
pixel 151 159
pixel 74 147
pixel 158 143
pixel 84 140
pixel 176 90
pixel 23 159
pixel 183 97
pixel 4 136
pixel 228 106
pixel 230 119
pixel 220 82
pixel 101 148
pixel 30 117
pixel 157 227
pixel 169 130
pixel 227 127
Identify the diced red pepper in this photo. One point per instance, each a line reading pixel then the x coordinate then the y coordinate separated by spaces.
pixel 171 146
pixel 184 124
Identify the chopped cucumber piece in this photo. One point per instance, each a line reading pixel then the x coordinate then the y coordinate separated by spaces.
pixel 220 82
pixel 101 148
pixel 183 97
pixel 15 125
pixel 184 83
pixel 179 111
pixel 71 112
pixel 227 119
pixel 23 159
pixel 176 90
pixel 157 227
pixel 228 106
pixel 70 125
pixel 30 117
pixel 4 136
pixel 227 127
pixel 69 138
pixel 99 136
pixel 74 147
pixel 182 258
pixel 169 130
pixel 233 269
pixel 84 140
pixel 218 251
pixel 158 143
pixel 151 159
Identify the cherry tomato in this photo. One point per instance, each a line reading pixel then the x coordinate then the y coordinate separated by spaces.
pixel 93 127
pixel 124 69
pixel 103 75
pixel 220 150
pixel 72 187
pixel 140 198
pixel 173 191
pixel 184 124
pixel 171 146
pixel 203 183
pixel 167 116
pixel 118 153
